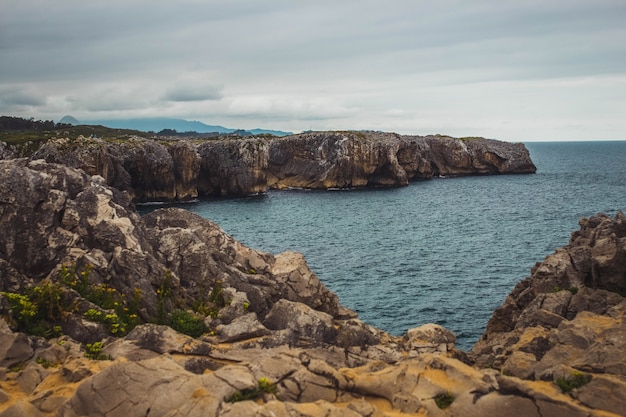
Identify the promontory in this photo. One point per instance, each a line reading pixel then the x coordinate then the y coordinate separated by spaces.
pixel 182 169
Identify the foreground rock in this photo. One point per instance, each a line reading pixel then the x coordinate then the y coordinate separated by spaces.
pixel 566 321
pixel 273 340
pixel 184 169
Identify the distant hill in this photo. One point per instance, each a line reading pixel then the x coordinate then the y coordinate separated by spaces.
pixel 157 124
pixel 69 120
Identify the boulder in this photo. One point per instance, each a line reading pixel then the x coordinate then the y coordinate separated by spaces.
pixel 429 338
pixel 303 323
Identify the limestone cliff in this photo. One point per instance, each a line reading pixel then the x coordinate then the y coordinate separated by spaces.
pixel 567 320
pixel 107 313
pixel 183 169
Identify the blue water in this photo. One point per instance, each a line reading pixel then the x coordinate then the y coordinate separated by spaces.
pixel 445 251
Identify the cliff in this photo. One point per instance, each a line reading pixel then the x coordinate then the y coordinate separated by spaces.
pixel 567 319
pixel 177 170
pixel 108 313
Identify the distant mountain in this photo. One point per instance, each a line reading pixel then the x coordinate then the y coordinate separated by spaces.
pixel 156 124
pixel 69 120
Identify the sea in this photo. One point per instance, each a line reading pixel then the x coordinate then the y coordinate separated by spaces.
pixel 445 251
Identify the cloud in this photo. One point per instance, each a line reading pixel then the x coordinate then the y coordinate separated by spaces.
pixel 193 87
pixel 358 63
pixel 20 96
pixel 289 108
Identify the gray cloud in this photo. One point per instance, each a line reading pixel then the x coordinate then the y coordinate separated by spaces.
pixel 450 66
pixel 193 91
pixel 20 96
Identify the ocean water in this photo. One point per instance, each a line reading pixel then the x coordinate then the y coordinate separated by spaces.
pixel 444 251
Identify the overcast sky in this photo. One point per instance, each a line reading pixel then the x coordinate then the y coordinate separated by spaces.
pixel 515 70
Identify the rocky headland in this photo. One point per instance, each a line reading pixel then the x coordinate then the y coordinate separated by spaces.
pixel 106 313
pixel 183 169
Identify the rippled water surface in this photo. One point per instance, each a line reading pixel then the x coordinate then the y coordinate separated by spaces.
pixel 445 251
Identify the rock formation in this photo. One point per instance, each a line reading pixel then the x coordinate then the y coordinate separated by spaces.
pixel 176 170
pixel 567 319
pixel 105 313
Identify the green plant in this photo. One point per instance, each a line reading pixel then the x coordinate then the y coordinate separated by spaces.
pixel 69 277
pixel 575 380
pixel 18 367
pixel 573 290
pixel 216 296
pixel 22 308
pixel 47 296
pixel 37 308
pixel 187 323
pixel 94 315
pixel 94 351
pixel 164 293
pixel 46 363
pixel 444 400
pixel 264 385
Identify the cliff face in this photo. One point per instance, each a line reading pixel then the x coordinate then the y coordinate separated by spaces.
pixel 180 170
pixel 567 318
pixel 103 312
pixel 54 217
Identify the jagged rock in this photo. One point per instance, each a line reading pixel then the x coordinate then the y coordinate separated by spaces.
pixel 569 315
pixel 564 286
pixel 354 332
pixel 314 356
pixel 15 348
pixel 22 409
pixel 604 392
pixel 302 321
pixel 140 388
pixel 177 170
pixel 429 338
pixel 163 339
pixel 242 328
pixel 233 167
pixel 30 377
pixel 300 284
pixel 73 219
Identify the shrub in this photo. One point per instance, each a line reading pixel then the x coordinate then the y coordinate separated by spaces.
pixel 187 323
pixel 444 400
pixel 94 351
pixel 36 310
pixel 575 380
pixel 264 385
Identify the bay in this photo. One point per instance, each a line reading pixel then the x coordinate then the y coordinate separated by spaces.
pixel 444 251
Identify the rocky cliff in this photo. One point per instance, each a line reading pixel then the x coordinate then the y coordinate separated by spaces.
pixel 173 170
pixel 108 313
pixel 566 321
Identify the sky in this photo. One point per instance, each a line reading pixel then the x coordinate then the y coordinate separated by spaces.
pixel 516 70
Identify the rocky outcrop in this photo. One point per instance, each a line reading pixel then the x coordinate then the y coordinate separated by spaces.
pixel 59 224
pixel 155 371
pixel 566 321
pixel 273 340
pixel 146 169
pixel 177 170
